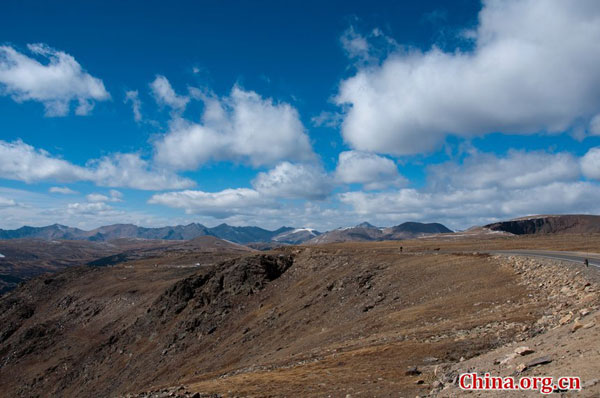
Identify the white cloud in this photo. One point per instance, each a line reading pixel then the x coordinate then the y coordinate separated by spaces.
pixel 518 169
pixel 294 181
pixel 327 119
pixel 366 49
pixel 92 208
pixel 533 68
pixel 5 202
pixel 486 188
pixel 19 161
pixel 165 95
pixel 55 84
pixel 22 162
pixel 373 171
pixel 355 45
pixel 130 170
pixel 216 204
pixel 136 105
pixel 595 125
pixel 241 127
pixel 62 190
pixel 97 197
pixel 461 208
pixel 590 164
pixel 39 209
pixel 114 196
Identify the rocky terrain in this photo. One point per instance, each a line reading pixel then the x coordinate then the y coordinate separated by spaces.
pixel 346 319
pixel 564 340
pixel 30 251
pixel 558 224
pixel 23 259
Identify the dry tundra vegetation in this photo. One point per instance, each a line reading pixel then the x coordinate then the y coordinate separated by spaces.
pixel 340 320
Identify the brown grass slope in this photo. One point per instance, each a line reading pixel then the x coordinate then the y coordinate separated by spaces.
pixel 26 258
pixel 312 321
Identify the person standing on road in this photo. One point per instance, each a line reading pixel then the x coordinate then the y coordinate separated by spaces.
pixel 586 263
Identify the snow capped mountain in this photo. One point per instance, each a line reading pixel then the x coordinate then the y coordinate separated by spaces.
pixel 296 236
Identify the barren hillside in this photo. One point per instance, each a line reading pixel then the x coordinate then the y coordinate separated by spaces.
pixel 300 321
pixel 559 224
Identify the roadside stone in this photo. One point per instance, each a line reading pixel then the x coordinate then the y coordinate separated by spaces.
pixel 508 358
pixel 590 383
pixel 521 368
pixel 576 326
pixel 583 312
pixel 565 319
pixel 589 325
pixel 588 298
pixel 524 351
pixel 539 361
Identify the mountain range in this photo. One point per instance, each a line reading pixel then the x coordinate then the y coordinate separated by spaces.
pixel 368 232
pixel 180 232
pixel 241 235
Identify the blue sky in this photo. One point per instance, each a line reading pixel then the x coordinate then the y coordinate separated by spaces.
pixel 297 113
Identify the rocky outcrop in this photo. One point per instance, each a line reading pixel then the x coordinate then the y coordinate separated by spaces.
pixel 549 225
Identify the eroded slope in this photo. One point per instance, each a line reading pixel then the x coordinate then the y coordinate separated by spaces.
pixel 298 322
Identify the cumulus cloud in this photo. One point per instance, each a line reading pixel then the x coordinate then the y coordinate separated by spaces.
pixel 19 161
pixel 533 69
pixel 130 170
pixel 285 181
pixel 40 208
pixel 165 95
pixel 240 127
pixel 221 204
pixel 518 169
pixel 92 208
pixel 373 171
pixel 590 164
pixel 22 162
pixel 136 104
pixel 294 181
pixel 56 83
pixel 62 190
pixel 464 207
pixel 484 188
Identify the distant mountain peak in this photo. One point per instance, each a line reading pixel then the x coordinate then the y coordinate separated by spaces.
pixel 365 224
pixel 367 232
